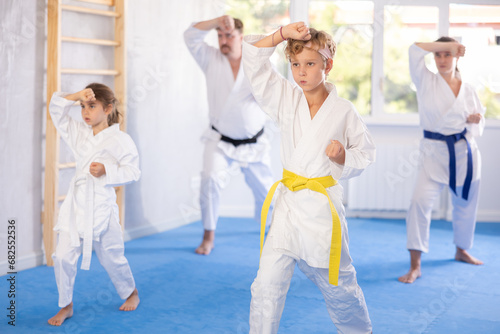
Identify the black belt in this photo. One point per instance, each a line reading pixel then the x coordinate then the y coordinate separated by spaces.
pixel 237 142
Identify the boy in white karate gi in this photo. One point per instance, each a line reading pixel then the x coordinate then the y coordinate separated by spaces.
pixel 323 139
pixel 451 116
pixel 236 134
pixel 105 158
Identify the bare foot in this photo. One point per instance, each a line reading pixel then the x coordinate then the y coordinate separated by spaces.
pixel 415 265
pixel 63 314
pixel 132 302
pixel 411 276
pixel 207 244
pixel 464 256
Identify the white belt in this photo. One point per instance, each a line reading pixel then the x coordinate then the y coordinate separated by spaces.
pixel 88 223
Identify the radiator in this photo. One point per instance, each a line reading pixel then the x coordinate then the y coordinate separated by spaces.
pixel 387 184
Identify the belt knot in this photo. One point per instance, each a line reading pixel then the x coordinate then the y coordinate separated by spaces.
pixel 296 182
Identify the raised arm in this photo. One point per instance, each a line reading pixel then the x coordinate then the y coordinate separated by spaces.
pixel 297 30
pixel 456 49
pixel 194 37
pixel 59 107
pixel 85 95
pixel 225 23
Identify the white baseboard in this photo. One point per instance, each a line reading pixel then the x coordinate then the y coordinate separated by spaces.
pixel 30 260
pixel 482 216
pixel 237 211
pixel 142 231
pixel 490 216
pixel 383 214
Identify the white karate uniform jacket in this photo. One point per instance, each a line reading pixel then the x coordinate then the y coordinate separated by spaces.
pixel 232 108
pixel 302 222
pixel 90 201
pixel 440 111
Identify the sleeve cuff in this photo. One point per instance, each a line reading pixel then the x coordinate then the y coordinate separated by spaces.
pixel 58 99
pixel 250 40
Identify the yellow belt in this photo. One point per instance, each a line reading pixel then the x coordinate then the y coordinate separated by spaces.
pixel 296 182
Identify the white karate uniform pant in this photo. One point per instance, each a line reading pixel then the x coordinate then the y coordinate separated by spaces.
pixel 109 251
pixel 345 303
pixel 418 219
pixel 217 171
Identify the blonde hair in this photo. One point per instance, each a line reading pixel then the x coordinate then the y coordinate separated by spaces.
pixel 105 95
pixel 319 39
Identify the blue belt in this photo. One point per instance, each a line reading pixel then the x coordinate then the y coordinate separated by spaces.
pixel 450 141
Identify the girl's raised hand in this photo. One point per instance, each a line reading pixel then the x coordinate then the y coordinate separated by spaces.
pixel 87 95
pixel 297 30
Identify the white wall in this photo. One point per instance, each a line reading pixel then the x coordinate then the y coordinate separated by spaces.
pixel 489 196
pixel 167 114
pixel 21 112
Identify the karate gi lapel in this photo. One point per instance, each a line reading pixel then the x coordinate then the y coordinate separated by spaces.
pixel 454 109
pixel 233 97
pixel 310 129
pixel 95 144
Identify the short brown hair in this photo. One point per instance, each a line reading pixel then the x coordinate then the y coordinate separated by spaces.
pixel 447 39
pixel 238 25
pixel 105 95
pixel 320 39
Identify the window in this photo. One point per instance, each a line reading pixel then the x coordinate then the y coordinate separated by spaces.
pixel 263 17
pixel 373 37
pixel 478 28
pixel 351 25
pixel 404 25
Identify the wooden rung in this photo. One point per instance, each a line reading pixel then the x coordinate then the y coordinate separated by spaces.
pixel 90 10
pixel 67 165
pixel 101 2
pixel 61 198
pixel 90 41
pixel 86 71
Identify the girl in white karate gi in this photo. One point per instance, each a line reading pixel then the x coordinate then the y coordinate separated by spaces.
pixel 105 158
pixel 449 110
pixel 323 139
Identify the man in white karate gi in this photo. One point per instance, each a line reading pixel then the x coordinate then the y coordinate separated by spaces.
pixel 236 133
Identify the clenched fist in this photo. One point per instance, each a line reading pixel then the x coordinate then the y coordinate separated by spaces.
pixel 97 169
pixel 336 152
pixel 297 30
pixel 474 118
pixel 226 23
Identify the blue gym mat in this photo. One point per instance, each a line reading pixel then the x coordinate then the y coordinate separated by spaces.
pixel 182 292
